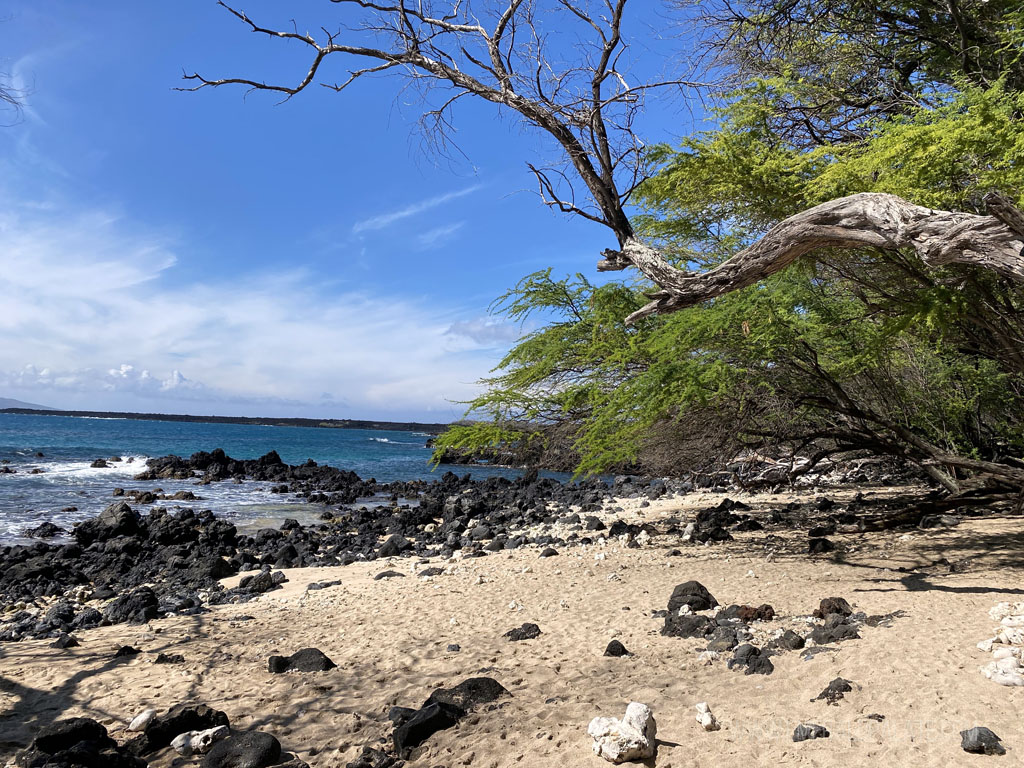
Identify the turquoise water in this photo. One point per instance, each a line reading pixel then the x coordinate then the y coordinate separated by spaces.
pixel 70 444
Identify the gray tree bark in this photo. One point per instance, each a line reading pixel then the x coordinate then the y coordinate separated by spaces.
pixel 868 219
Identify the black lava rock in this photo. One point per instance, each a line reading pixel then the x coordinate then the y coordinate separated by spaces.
pixel 752 659
pixel 125 651
pixel 469 694
pixel 424 724
pixel 723 639
pixel 393 545
pixel 442 709
pixel 79 741
pixel 748 613
pixel 836 629
pixel 549 552
pixel 819 546
pixel 806 731
pixel 388 575
pixel 374 758
pixel 45 530
pixel 981 741
pixel 136 607
pixel 834 692
pixel 305 660
pixel 526 632
pixel 693 594
pixel 831 605
pixel 65 734
pixel 688 626
pixel 258 583
pixel 788 641
pixel 615 648
pixel 180 718
pixel 64 640
pixel 251 749
pixel 399 715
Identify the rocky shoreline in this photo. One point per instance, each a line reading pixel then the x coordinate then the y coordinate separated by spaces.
pixel 125 566
pixel 126 569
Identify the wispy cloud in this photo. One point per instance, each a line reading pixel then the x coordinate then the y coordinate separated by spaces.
pixel 438 236
pixel 385 219
pixel 93 316
pixel 487 331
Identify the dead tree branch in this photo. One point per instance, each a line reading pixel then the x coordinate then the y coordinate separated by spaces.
pixel 499 52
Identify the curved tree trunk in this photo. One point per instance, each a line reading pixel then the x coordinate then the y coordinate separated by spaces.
pixel 868 219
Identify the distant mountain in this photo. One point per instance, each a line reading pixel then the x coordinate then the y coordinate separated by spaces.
pixel 6 402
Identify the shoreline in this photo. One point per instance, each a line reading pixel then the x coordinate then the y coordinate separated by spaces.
pixel 390 640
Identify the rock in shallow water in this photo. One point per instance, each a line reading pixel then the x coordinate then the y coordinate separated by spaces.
pixel 632 738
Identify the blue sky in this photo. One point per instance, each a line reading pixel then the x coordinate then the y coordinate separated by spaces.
pixel 219 253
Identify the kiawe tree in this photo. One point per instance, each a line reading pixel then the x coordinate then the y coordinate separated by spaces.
pixel 499 52
pixel 819 80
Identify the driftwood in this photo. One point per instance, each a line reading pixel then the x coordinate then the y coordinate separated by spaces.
pixel 868 219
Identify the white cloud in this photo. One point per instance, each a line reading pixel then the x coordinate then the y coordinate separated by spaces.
pixel 92 317
pixel 386 219
pixel 438 236
pixel 487 331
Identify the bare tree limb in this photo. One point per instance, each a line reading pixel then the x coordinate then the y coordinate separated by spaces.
pixel 500 56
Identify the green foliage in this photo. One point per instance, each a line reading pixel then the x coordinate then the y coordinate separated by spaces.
pixel 862 349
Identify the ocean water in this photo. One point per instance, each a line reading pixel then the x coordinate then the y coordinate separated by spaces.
pixel 67 489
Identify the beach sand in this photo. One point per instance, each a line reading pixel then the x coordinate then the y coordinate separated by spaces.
pixel 390 638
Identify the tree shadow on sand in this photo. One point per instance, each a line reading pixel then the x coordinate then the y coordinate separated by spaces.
pixel 35 708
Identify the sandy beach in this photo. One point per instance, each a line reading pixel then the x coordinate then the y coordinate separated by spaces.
pixel 390 639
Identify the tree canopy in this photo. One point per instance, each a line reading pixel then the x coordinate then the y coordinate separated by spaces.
pixel 834 265
pixel 864 349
